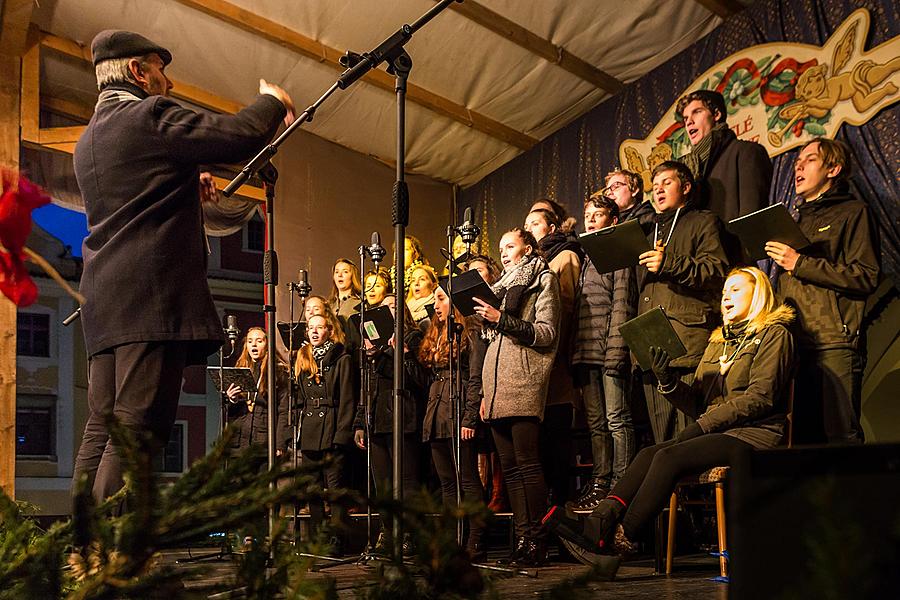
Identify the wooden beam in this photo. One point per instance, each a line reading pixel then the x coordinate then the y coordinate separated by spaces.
pixel 721 8
pixel 10 75
pixel 535 44
pixel 66 108
pixel 297 42
pixel 60 135
pixel 15 17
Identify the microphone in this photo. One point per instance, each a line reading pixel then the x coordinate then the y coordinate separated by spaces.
pixel 231 328
pixel 468 231
pixel 376 250
pixel 303 288
pixel 231 331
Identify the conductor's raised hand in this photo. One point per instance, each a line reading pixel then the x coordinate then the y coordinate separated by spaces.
pixel 273 90
pixel 652 259
pixel 486 311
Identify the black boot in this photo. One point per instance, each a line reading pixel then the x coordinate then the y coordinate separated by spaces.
pixel 533 554
pixel 594 532
pixel 518 550
pixel 590 497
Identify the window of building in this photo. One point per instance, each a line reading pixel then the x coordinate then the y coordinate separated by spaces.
pixel 32 334
pixel 173 458
pixel 255 234
pixel 36 427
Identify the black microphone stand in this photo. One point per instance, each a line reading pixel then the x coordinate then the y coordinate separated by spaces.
pixel 399 64
pixel 303 290
pixel 376 253
pixel 232 333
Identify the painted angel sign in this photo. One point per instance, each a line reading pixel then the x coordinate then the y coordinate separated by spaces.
pixel 781 94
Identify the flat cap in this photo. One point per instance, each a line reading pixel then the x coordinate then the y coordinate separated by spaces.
pixel 115 43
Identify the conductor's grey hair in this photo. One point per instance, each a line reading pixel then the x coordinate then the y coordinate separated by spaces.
pixel 115 70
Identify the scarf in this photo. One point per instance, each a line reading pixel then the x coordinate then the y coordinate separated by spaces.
pixel 552 244
pixel 319 352
pixel 511 286
pixel 707 149
pixel 418 307
pixel 733 332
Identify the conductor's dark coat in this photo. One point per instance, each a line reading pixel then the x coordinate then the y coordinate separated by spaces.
pixel 138 167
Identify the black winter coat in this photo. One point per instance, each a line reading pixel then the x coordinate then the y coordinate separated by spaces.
pixel 737 181
pixel 327 405
pixel 137 165
pixel 440 413
pixel 833 277
pixel 252 426
pixel 382 386
pixel 689 283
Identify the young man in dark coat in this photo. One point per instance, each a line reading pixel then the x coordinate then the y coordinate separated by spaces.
pixel 600 360
pixel 828 283
pixel 683 274
pixel 149 312
pixel 732 176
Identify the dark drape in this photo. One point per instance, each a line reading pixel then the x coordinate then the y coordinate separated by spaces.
pixel 570 164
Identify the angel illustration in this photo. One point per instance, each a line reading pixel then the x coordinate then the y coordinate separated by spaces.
pixel 818 93
pixel 635 163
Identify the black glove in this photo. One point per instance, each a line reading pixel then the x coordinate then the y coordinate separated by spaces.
pixel 660 367
pixel 691 431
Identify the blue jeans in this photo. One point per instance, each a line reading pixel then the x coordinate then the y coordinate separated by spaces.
pixel 609 423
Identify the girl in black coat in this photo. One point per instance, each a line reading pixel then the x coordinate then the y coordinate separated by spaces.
pixel 438 427
pixel 374 423
pixel 249 412
pixel 325 383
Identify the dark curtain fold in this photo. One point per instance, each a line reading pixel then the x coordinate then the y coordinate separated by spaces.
pixel 568 165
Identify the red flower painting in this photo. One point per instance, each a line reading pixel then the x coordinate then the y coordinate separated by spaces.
pixel 19 197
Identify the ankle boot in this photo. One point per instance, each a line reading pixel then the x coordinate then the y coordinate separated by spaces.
pixel 518 549
pixel 595 491
pixel 601 524
pixel 534 554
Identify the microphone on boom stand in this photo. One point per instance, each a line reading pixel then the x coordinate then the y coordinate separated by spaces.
pixel 232 332
pixel 375 250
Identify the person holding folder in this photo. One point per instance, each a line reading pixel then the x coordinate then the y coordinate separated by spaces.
pixel 739 396
pixel 522 336
pixel 828 283
pixel 683 274
pixel 600 360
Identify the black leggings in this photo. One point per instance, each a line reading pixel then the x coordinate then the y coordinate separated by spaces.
pixel 382 450
pixel 330 478
pixel 443 457
pixel 517 442
pixel 648 482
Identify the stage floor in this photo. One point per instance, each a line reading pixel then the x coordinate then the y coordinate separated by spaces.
pixel 635 579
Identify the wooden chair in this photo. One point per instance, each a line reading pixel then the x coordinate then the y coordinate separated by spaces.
pixel 717 476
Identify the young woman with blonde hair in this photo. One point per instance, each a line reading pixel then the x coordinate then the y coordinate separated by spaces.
pixel 739 397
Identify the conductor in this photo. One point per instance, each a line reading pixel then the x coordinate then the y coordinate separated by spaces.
pixel 149 312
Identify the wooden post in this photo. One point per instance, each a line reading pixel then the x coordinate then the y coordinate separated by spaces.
pixel 14 21
pixel 10 71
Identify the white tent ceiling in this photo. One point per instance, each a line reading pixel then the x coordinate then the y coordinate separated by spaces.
pixel 454 57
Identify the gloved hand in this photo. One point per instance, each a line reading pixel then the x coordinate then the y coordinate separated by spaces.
pixel 660 367
pixel 691 431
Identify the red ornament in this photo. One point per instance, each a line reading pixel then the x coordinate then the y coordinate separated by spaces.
pixel 19 197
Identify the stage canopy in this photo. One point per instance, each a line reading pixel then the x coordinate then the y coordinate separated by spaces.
pixel 490 78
